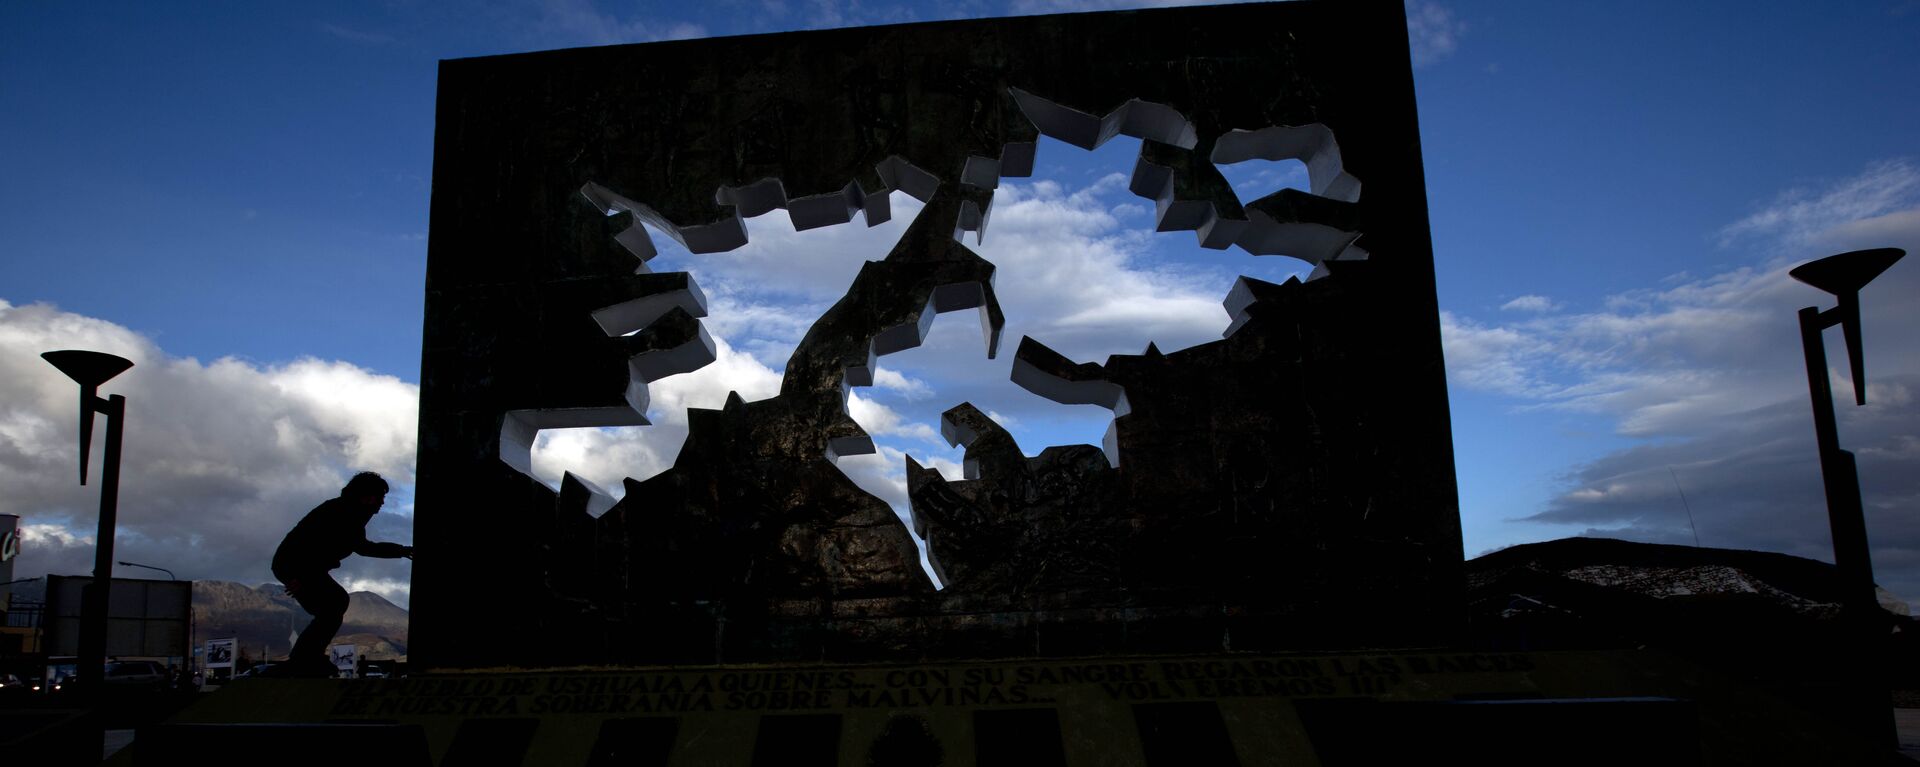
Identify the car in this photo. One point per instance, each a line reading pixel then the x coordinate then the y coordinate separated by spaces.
pixel 135 673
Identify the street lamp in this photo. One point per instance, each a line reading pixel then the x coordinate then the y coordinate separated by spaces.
pixel 125 563
pixel 1844 275
pixel 190 619
pixel 90 369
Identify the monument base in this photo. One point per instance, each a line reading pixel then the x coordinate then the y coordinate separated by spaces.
pixel 1606 707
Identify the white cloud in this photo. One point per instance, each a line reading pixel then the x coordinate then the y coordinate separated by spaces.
pixel 1798 216
pixel 1432 31
pixel 376 415
pixel 1670 361
pixel 607 456
pixel 883 473
pixel 778 263
pixel 394 590
pixel 1491 358
pixel 1753 482
pixel 1072 275
pixel 221 458
pixel 882 421
pixel 52 537
pixel 910 388
pixel 1710 370
pixel 1530 303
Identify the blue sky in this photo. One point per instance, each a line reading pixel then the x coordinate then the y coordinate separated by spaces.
pixel 236 195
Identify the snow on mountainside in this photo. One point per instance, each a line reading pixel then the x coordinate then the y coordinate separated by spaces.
pixel 1807 587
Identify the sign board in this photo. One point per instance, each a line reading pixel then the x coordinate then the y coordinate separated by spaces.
pixel 345 658
pixel 221 656
pixel 9 542
pixel 9 549
pixel 221 652
pixel 147 619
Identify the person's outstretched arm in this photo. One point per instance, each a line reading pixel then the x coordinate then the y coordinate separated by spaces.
pixel 368 548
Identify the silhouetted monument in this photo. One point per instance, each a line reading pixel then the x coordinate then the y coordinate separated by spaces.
pixel 1260 565
pixel 1288 486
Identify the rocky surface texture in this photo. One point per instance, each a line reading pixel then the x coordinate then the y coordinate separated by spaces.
pixel 1260 492
pixel 1243 473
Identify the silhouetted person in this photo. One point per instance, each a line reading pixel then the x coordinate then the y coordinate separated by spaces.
pixel 328 534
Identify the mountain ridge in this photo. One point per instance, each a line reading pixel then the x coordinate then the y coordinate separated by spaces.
pixel 263 618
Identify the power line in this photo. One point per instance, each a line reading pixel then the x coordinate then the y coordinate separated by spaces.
pixel 1685 505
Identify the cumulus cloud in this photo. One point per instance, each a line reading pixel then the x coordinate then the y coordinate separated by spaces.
pixel 221 458
pixel 607 456
pixel 1072 274
pixel 1710 373
pixel 882 421
pixel 911 388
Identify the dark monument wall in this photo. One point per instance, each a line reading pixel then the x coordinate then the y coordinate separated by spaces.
pixel 1287 487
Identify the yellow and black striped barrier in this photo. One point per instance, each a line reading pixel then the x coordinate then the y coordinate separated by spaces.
pixel 1639 708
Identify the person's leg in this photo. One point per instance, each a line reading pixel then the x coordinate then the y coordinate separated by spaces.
pixel 321 597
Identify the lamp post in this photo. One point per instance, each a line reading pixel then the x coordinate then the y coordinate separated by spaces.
pixel 1844 275
pixel 125 563
pixel 90 369
pixel 188 658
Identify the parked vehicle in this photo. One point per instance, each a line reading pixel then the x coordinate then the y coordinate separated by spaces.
pixel 135 673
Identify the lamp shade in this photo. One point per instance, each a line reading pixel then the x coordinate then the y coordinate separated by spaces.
pixel 88 368
pixel 1847 272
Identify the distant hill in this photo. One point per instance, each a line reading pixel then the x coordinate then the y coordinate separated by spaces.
pixel 1770 618
pixel 1621 588
pixel 263 618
